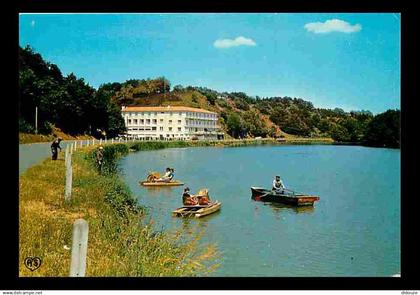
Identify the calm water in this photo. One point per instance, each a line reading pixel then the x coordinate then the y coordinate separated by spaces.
pixel 357 217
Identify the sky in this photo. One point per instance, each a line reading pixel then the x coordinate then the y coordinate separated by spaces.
pixel 350 61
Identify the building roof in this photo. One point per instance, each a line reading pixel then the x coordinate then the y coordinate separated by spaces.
pixel 165 109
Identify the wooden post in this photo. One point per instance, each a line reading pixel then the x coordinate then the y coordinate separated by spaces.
pixel 87 142
pixel 66 157
pixel 79 248
pixel 36 120
pixel 69 177
pixel 93 141
pixel 75 145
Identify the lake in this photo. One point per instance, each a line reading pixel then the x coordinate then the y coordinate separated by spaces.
pixel 354 230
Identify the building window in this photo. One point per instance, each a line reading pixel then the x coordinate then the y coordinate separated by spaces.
pixel 147 121
pixel 179 121
pixel 161 120
pixel 142 121
pixel 154 121
pixel 170 128
pixel 161 128
pixel 153 128
pixel 135 121
pixel 179 128
pixel 170 121
pixel 129 121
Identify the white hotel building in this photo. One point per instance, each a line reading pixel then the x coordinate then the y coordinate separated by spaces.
pixel 171 123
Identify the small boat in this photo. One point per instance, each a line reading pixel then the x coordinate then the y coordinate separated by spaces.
pixel 265 195
pixel 197 210
pixel 161 183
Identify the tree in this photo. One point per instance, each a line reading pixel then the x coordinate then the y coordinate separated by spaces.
pixel 384 129
pixel 235 125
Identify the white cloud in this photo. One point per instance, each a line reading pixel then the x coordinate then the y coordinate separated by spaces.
pixel 332 25
pixel 33 23
pixel 238 41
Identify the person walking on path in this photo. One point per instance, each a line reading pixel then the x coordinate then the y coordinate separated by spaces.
pixel 54 148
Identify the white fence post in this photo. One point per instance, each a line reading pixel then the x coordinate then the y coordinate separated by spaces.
pixel 100 141
pixel 87 142
pixel 79 248
pixel 69 177
pixel 75 145
pixel 93 141
pixel 66 157
pixel 81 143
pixel 112 140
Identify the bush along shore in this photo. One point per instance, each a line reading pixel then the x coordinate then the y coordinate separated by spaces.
pixel 121 242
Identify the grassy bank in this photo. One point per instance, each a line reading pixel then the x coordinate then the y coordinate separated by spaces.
pixel 120 242
pixel 34 138
pixel 154 145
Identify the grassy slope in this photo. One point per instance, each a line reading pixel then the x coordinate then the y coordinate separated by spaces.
pixel 118 246
pixel 185 98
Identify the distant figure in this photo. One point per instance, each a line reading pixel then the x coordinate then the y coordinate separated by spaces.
pixel 168 176
pixel 203 197
pixel 54 148
pixel 188 199
pixel 100 157
pixel 278 185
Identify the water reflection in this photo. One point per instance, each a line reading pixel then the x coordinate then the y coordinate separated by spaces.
pixel 167 191
pixel 278 207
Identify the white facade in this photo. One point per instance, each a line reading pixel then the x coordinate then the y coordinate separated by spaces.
pixel 170 123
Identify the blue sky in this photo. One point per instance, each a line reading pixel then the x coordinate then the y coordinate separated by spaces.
pixel 351 61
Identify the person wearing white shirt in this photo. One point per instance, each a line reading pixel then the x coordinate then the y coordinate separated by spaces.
pixel 278 185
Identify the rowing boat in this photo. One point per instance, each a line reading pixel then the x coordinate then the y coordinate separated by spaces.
pixel 197 210
pixel 170 183
pixel 265 195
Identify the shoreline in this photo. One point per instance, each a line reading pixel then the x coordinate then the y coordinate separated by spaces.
pixel 119 244
pixel 105 201
pixel 108 205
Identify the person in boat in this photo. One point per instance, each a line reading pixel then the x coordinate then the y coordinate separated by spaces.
pixel 188 199
pixel 278 185
pixel 54 148
pixel 100 158
pixel 203 197
pixel 168 176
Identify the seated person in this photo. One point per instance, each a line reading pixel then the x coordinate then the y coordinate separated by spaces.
pixel 188 199
pixel 278 185
pixel 203 200
pixel 203 197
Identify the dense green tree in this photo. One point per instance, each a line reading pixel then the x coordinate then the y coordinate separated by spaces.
pixel 66 102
